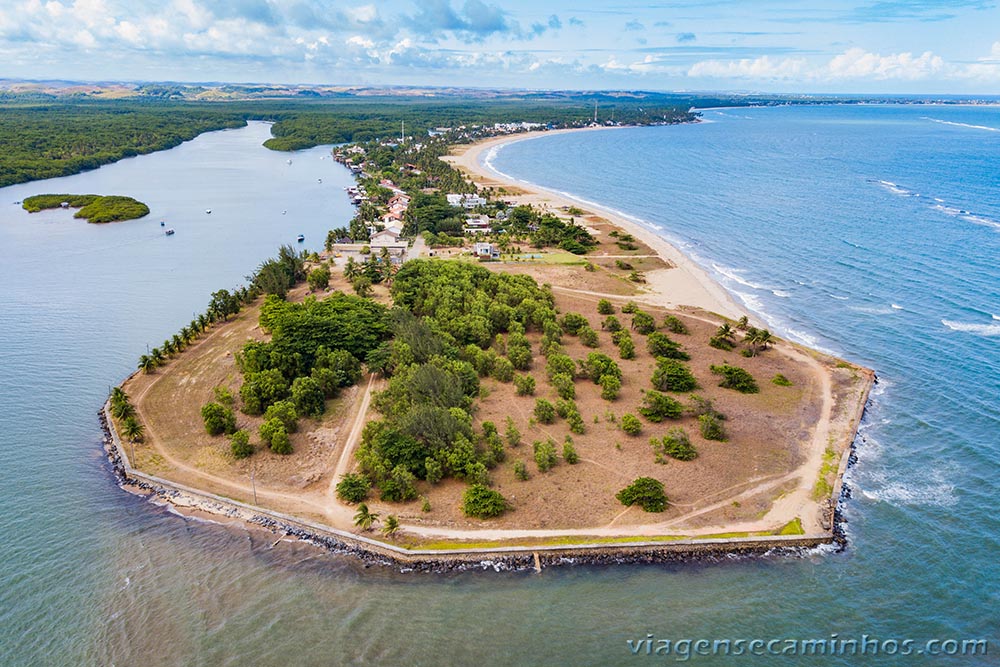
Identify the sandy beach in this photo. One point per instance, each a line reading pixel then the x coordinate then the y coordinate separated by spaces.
pixel 684 284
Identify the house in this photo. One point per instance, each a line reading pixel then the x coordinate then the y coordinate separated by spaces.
pixel 384 237
pixel 468 201
pixel 454 200
pixel 477 225
pixel 486 251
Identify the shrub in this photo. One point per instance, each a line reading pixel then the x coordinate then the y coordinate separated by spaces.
pixel 399 486
pixel 575 421
pixel 673 324
pixel 630 307
pixel 433 470
pixel 675 444
pixel 611 324
pixel 353 488
pixel 224 396
pixel 239 444
pixel 711 427
pixel 285 412
pixel 673 375
pixel 545 412
pixel 626 348
pixel 571 323
pixel 734 377
pixel 308 397
pixel 564 407
pixel 657 407
pixel 597 365
pixel 521 470
pixel 589 337
pixel 261 389
pixel 564 386
pixel 610 386
pixel 482 502
pixel 569 452
pixel 643 323
pixel 319 278
pixel 660 345
pixel 520 357
pixel 511 434
pixel 623 265
pixel 218 419
pixel 503 370
pixel 645 492
pixel 605 307
pixel 720 343
pixel 560 363
pixel 525 385
pixel 781 380
pixel 545 454
pixel 631 424
pixel 280 443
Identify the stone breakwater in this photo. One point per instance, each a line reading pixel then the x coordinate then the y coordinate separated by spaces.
pixel 371 552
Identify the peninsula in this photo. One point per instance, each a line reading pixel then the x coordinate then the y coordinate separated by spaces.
pixel 96 209
pixel 475 369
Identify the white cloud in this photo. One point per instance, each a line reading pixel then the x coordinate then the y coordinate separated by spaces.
pixel 860 64
pixel 762 68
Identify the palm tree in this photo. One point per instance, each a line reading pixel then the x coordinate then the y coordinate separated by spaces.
pixel 765 338
pixel 724 331
pixel 132 429
pixel 365 519
pixel 156 354
pixel 743 323
pixel 203 321
pixel 391 525
pixel 122 410
pixel 351 269
pixel 118 395
pixel 186 334
pixel 168 347
pixel 178 342
pixel 146 365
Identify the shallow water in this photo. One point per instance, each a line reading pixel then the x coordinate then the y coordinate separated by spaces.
pixel 781 197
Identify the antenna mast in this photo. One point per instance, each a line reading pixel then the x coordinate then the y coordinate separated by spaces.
pixel 595 111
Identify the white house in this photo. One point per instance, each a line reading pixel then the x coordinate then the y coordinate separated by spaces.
pixel 486 251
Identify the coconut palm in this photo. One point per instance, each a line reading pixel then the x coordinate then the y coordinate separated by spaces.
pixel 764 338
pixel 156 354
pixel 203 321
pixel 351 269
pixel 132 429
pixel 146 365
pixel 178 342
pixel 724 331
pixel 186 334
pixel 122 410
pixel 365 519
pixel 743 323
pixel 118 395
pixel 391 525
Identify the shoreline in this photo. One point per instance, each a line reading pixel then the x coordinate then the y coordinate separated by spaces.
pixel 690 284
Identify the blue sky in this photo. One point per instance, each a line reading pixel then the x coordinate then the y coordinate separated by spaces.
pixel 864 46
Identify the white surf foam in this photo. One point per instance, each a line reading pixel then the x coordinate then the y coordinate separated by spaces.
pixel 970 126
pixel 896 306
pixel 996 317
pixel 781 293
pixel 838 297
pixel 872 310
pixel 933 491
pixel 734 275
pixel 989 330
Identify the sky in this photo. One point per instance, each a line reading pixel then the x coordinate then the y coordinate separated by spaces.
pixel 831 46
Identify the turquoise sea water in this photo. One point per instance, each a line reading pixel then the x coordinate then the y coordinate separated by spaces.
pixel 824 220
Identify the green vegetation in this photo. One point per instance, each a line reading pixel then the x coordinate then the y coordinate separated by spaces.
pixel 645 492
pixel 218 419
pixel 569 452
pixel 676 444
pixel 643 323
pixel 364 518
pixel 319 278
pixel 661 345
pixel 94 208
pixel 793 527
pixel 658 406
pixel 781 380
pixel 544 411
pixel 545 454
pixel 673 324
pixel 605 307
pixel 521 470
pixel 631 424
pixel 823 487
pixel 673 375
pixel 525 385
pixel 711 427
pixel 482 502
pixel 239 444
pixel 734 377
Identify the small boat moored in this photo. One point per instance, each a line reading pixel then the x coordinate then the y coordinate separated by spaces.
pixel 169 232
pixel 208 211
pixel 162 224
pixel 301 238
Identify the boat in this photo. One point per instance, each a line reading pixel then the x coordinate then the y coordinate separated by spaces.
pixel 162 224
pixel 169 232
pixel 320 180
pixel 208 211
pixel 284 212
pixel 301 238
pixel 289 161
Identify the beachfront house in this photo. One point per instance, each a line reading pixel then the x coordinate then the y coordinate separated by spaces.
pixel 480 224
pixel 486 251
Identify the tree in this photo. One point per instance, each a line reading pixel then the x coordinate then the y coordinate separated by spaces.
pixel 630 307
pixel 511 434
pixel 122 409
pixel 611 324
pixel 365 519
pixel 319 278
pixel 597 365
pixel 239 444
pixel 503 370
pixel 605 307
pixel 391 525
pixel 660 345
pixel 482 502
pixel 285 412
pixel 589 337
pixel 571 323
pixel 525 385
pixel 743 323
pixel 308 397
pixel 563 384
pixel 146 364
pixel 645 492
pixel 261 389
pixel 569 452
pixel 643 323
pixel 657 407
pixel 674 324
pixel 673 375
pixel 545 412
pixel 270 429
pixel 711 427
pixel 521 470
pixel 610 386
pixel 223 304
pixel 545 454
pixel 631 424
pixel 626 348
pixel 734 377
pixel 132 429
pixel 675 444
pixel 218 419
pixel 362 286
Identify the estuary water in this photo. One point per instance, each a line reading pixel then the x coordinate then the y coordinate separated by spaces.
pixel 872 232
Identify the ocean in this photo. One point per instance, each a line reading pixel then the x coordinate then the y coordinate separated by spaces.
pixel 872 232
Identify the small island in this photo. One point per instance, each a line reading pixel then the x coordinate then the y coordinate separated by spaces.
pixel 95 209
pixel 525 381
